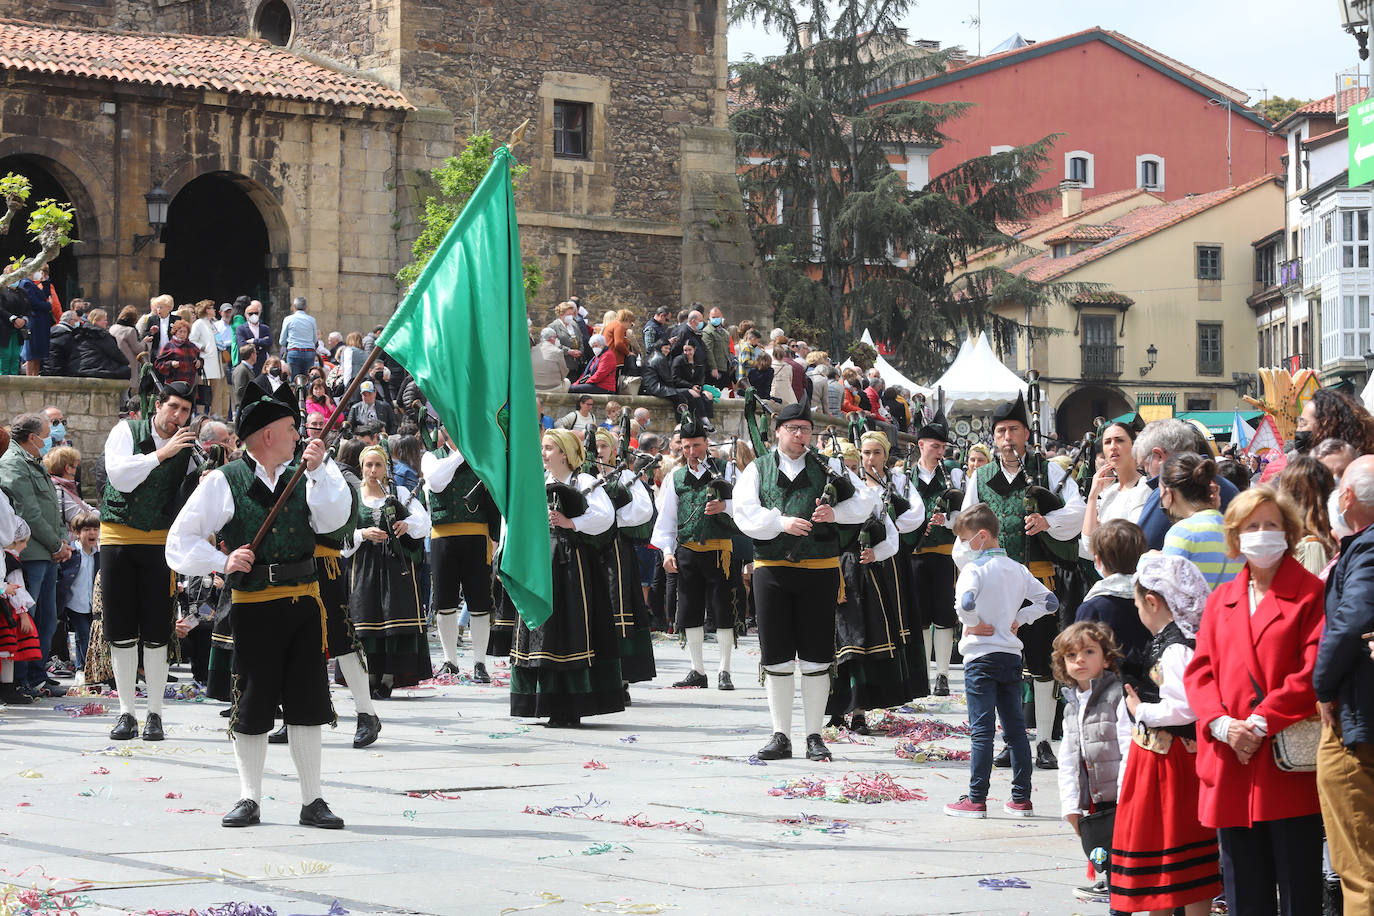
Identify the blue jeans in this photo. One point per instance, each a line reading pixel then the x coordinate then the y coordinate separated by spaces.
pixel 40 578
pixel 299 362
pixel 81 627
pixel 993 685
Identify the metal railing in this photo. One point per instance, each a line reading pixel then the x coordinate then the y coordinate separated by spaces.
pixel 1290 275
pixel 1102 360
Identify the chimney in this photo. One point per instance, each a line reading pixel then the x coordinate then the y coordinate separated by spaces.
pixel 1071 197
pixel 804 34
pixel 901 35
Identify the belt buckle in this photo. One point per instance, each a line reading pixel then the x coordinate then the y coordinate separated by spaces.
pixel 272 574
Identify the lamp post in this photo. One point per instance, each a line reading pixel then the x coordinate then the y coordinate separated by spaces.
pixel 1152 356
pixel 1355 20
pixel 158 202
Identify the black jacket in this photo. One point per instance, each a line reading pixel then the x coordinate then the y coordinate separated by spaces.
pixel 385 415
pixel 60 342
pixel 658 379
pixel 96 354
pixel 687 375
pixel 1344 671
pixel 13 305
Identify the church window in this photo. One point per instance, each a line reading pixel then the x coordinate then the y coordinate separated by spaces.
pixel 273 22
pixel 570 123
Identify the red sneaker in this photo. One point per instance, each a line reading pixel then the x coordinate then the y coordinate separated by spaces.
pixel 967 807
pixel 1019 808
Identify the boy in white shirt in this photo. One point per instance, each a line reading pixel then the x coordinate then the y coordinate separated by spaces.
pixel 994 597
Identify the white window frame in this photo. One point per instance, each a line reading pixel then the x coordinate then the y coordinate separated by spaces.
pixel 1139 167
pixel 1080 154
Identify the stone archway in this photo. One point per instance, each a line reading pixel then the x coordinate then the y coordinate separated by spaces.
pixel 225 237
pixel 48 181
pixel 1076 411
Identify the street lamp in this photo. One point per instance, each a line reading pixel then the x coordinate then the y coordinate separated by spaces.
pixel 158 202
pixel 1152 355
pixel 1355 20
pixel 1243 382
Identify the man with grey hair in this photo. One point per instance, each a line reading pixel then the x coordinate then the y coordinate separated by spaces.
pixel 550 365
pixel 1159 441
pixel 299 337
pixel 1344 681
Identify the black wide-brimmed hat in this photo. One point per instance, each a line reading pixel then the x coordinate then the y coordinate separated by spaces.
pixel 1012 410
pixel 937 428
pixel 801 410
pixel 261 406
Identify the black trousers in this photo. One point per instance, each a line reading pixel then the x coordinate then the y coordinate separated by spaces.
pixel 278 659
pixel 137 589
pixel 460 566
pixel 796 613
pixel 1286 854
pixel 701 582
pixel 196 648
pixel 933 577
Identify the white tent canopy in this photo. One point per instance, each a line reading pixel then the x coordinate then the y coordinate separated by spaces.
pixel 1367 396
pixel 977 380
pixel 889 372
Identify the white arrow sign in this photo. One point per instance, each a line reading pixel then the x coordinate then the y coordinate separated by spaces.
pixel 1363 152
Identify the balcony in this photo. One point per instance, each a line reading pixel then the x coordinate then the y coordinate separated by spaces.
pixel 1298 361
pixel 1290 275
pixel 1102 360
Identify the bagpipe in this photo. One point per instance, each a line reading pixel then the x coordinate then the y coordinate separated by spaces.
pixel 406 548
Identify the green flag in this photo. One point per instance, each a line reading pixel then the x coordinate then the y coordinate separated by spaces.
pixel 462 334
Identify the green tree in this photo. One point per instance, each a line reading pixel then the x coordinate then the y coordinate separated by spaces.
pixel 50 227
pixel 1278 108
pixel 455 180
pixel 855 246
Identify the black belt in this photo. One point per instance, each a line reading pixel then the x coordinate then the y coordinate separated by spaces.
pixel 277 573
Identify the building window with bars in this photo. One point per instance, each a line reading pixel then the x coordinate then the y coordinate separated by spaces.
pixel 1209 348
pixel 1209 262
pixel 570 129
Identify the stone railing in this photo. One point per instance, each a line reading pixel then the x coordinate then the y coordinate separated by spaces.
pixel 90 405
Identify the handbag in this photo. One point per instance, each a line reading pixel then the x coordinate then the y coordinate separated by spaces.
pixel 1095 832
pixel 204 395
pixel 1295 748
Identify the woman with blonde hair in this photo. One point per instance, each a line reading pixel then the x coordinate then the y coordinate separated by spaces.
pixel 384 595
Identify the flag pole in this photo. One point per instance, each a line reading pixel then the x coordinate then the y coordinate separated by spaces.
pixel 328 426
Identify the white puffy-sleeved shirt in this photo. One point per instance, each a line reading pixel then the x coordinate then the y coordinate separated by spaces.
pixel 600 514
pixel 417 522
pixel 123 467
pixel 763 524
pixel 640 508
pixel 439 472
pixel 190 550
pixel 665 528
pixel 913 518
pixel 1065 524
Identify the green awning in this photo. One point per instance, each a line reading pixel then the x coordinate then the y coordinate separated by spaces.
pixel 1218 422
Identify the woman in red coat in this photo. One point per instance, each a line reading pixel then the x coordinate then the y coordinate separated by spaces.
pixel 1250 679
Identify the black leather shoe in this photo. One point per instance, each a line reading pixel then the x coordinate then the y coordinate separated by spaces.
pixel 941 686
pixel 779 747
pixel 479 674
pixel 693 679
pixel 369 727
pixel 1044 757
pixel 858 724
pixel 1003 758
pixel 625 686
pixel 11 695
pixel 448 668
pixel 723 681
pixel 226 712
pixel 816 749
pixel 278 736
pixel 125 727
pixel 152 727
pixel 317 814
pixel 245 813
pixel 835 721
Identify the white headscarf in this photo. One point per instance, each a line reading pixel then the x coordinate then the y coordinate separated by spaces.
pixel 1180 582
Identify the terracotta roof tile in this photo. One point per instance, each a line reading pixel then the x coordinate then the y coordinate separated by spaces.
pixel 1107 297
pixel 1337 103
pixel 1136 225
pixel 226 64
pixel 1084 233
pixel 1053 219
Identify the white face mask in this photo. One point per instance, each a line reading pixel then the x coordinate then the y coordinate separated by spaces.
pixel 254 318
pixel 964 553
pixel 1333 510
pixel 1263 548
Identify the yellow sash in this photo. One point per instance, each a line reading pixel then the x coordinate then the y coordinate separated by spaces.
pixel 945 549
pixel 460 529
pixel 1044 571
pixel 113 534
pixel 278 592
pixel 724 545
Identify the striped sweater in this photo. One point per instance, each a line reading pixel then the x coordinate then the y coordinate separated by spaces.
pixel 1202 539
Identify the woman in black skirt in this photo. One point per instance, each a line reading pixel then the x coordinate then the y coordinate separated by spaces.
pixel 569 666
pixel 385 594
pixel 634 518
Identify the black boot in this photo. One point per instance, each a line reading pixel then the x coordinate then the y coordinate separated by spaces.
pixel 858 724
pixel 1044 757
pixel 278 736
pixel 479 674
pixel 779 747
pixel 816 749
pixel 369 727
pixel 941 686
pixel 1003 758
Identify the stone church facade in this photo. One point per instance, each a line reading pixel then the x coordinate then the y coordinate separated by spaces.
pixel 295 138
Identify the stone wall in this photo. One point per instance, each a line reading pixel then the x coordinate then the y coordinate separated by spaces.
pixel 91 406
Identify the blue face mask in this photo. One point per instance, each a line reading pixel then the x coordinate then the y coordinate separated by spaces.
pixel 46 446
pixel 59 432
pixel 717 322
pixel 701 325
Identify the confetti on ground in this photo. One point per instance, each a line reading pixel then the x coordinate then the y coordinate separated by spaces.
pixel 464 680
pixel 816 822
pixel 22 901
pixel 93 691
pixel 410 815
pixel 519 731
pixel 592 802
pixel 1002 884
pixel 754 761
pixel 626 908
pixel 435 794
pixel 851 787
pixel 598 849
pixel 194 811
pixel 629 739
pixel 172 795
pixel 100 771
pixel 106 790
pixel 150 779
pixel 76 711
pixel 908 749
pixel 594 765
pixel 891 725
pixel 306 867
pixel 548 898
pixel 30 774
pixel 836 735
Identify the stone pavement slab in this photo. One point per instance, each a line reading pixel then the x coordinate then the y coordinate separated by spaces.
pixel 659 809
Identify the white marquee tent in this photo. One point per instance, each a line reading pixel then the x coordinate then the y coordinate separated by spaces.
pixel 977 380
pixel 889 372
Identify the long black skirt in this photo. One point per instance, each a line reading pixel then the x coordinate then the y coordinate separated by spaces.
pixel 635 642
pixel 569 666
pixel 870 655
pixel 385 603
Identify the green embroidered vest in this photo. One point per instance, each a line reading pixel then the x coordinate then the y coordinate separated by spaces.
pixel 938 536
pixel 290 539
pixel 343 537
pixel 621 496
pixel 1007 500
pixel 694 526
pixel 795 498
pixel 447 505
pixel 153 504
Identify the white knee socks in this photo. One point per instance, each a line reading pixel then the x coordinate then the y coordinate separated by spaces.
pixel 447 621
pixel 6 672
pixel 725 639
pixel 124 661
pixel 815 691
pixel 781 685
pixel 305 754
pixel 481 630
pixel 155 673
pixel 696 637
pixel 944 647
pixel 250 755
pixel 351 667
pixel 1044 710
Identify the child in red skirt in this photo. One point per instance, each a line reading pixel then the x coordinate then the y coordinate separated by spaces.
pixel 1097 736
pixel 1162 857
pixel 18 635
